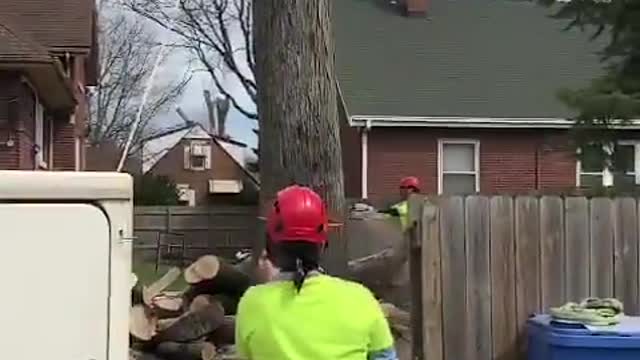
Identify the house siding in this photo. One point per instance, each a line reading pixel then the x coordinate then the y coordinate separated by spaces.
pixel 222 167
pixel 351 155
pixel 21 130
pixel 507 160
pixel 20 155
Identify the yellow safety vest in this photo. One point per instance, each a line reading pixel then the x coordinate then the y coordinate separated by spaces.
pixel 329 319
pixel 403 211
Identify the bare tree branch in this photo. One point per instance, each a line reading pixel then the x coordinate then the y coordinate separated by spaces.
pixel 129 49
pixel 214 31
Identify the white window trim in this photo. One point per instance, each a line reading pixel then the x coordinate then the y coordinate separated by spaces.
pixel 607 175
pixel 476 160
pixel 38 125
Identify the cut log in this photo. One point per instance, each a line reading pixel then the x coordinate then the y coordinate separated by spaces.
pixel 204 268
pixel 201 301
pixel 400 324
pixel 193 326
pixel 385 272
pixel 148 293
pixel 209 352
pixel 396 316
pixel 164 324
pixel 168 306
pixel 229 303
pixel 247 266
pixel 142 323
pixel 140 355
pixel 227 281
pixel 185 351
pixel 225 333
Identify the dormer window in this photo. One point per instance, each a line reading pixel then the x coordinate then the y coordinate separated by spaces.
pixel 197 156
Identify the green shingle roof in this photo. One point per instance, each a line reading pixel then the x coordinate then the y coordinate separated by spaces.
pixel 481 58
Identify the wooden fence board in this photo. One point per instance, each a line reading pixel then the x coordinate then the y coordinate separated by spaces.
pixel 503 308
pixel 453 275
pixel 577 238
pixel 626 253
pixel 527 262
pixel 220 230
pixel 552 252
pixel 478 278
pixel 431 284
pixel 601 248
pixel 507 258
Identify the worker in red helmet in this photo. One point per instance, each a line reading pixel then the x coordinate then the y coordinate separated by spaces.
pixel 408 185
pixel 304 314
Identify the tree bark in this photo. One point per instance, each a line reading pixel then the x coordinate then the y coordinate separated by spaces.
pixel 184 351
pixel 297 103
pixel 193 326
pixel 225 333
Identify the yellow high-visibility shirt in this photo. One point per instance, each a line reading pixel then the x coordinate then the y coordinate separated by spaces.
pixel 329 319
pixel 403 211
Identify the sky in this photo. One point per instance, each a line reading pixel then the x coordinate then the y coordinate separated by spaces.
pixel 192 102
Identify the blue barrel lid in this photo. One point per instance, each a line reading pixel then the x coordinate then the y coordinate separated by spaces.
pixel 628 326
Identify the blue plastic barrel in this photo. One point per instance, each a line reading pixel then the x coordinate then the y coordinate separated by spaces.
pixel 551 340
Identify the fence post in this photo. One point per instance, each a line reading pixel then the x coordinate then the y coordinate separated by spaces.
pixel 431 285
pixel 415 275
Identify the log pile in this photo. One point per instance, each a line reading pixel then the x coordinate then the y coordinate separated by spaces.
pixel 193 324
pixel 199 322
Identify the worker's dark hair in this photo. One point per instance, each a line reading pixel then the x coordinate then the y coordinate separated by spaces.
pixel 297 257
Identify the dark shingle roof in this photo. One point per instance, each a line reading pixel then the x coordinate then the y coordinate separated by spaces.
pixel 489 58
pixel 53 23
pixel 17 47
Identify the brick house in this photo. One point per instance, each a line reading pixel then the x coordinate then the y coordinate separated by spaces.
pixel 207 169
pixel 461 94
pixel 48 57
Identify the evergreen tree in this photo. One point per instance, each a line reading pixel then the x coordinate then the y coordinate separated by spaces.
pixel 612 99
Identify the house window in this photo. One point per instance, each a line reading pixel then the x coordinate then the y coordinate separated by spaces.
pixel 186 195
pixel 197 162
pixel 458 166
pixel 197 156
pixel 593 172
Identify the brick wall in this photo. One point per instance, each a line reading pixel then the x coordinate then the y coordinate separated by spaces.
pixel 222 167
pixel 8 91
pixel 20 155
pixel 351 155
pixel 65 132
pixel 63 146
pixel 507 160
pixel 16 134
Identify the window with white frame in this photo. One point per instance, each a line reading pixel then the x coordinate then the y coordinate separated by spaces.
pixel 458 166
pixel 197 156
pixel 594 172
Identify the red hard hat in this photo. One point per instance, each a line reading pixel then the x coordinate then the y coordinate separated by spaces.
pixel 298 214
pixel 410 182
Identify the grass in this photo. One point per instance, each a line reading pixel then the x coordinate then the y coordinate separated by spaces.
pixel 146 272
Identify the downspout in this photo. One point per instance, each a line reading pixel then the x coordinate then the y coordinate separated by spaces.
pixel 365 159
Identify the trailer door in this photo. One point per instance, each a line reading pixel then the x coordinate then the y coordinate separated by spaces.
pixel 54 278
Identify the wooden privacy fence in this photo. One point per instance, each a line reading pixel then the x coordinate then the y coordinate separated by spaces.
pixel 189 232
pixel 486 264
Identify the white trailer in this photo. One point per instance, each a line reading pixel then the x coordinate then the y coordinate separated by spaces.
pixel 65 265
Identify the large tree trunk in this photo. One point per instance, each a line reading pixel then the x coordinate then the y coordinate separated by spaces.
pixel 297 104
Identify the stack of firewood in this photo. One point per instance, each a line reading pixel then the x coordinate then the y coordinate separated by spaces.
pixel 197 323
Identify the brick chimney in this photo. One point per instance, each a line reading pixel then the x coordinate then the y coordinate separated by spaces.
pixel 416 7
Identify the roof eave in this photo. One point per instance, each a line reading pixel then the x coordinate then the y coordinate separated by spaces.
pixel 54 87
pixel 472 122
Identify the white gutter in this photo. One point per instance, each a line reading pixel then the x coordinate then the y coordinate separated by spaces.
pixel 365 160
pixel 471 122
